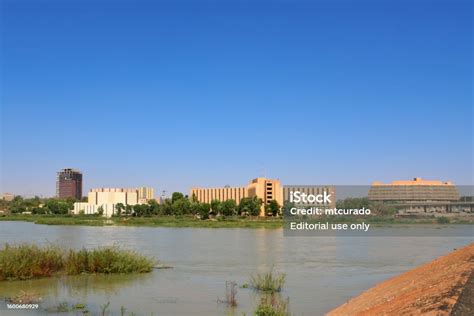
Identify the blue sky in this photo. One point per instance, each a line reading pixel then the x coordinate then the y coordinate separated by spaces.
pixel 208 93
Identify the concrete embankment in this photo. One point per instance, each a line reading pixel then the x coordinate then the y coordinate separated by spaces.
pixel 444 286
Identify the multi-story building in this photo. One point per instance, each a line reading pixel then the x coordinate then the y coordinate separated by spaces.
pixel 8 197
pixel 418 196
pixel 106 200
pixel 69 184
pixel 413 191
pixel 145 193
pixel 265 189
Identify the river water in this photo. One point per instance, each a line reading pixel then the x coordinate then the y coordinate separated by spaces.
pixel 321 272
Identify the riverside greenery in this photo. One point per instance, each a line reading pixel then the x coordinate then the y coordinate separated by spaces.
pixel 28 261
pixel 267 282
pixel 181 211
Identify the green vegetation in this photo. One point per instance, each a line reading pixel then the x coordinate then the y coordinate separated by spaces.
pixel 27 261
pixel 77 309
pixel 37 205
pixel 442 220
pixel 273 306
pixel 216 222
pixel 152 221
pixel 181 211
pixel 268 282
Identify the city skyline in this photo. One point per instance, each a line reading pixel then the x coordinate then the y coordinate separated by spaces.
pixel 173 96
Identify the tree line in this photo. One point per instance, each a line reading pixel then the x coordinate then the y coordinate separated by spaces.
pixel 38 205
pixel 179 204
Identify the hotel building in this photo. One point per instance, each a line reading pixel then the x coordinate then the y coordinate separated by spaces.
pixel 69 184
pixel 265 189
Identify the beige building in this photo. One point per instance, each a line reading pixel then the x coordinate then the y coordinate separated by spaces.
pixel 414 190
pixel 265 189
pixel 8 197
pixel 107 199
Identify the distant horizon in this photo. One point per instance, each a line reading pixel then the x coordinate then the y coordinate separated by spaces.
pixel 175 95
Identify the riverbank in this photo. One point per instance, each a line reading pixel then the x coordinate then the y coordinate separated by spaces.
pixel 222 222
pixel 153 221
pixel 440 287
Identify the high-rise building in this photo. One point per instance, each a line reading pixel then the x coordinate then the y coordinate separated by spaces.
pixel 69 184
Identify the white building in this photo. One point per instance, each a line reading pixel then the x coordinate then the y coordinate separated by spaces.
pixel 106 199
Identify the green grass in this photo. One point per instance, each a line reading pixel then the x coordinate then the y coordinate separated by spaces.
pixel 185 221
pixel 267 282
pixel 228 222
pixel 153 221
pixel 27 261
pixel 273 306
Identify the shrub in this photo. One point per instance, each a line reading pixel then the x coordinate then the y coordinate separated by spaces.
pixel 443 220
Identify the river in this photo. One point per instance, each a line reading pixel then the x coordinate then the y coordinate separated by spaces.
pixel 321 272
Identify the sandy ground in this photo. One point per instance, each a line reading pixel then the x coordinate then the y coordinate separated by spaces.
pixel 441 287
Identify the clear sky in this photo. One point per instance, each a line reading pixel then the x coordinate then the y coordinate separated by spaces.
pixel 175 94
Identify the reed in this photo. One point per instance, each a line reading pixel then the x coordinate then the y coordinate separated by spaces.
pixel 268 282
pixel 27 261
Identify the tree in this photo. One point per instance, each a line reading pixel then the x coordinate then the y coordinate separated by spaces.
pixel 128 209
pixel 119 207
pixel 215 205
pixel 204 209
pixel 100 211
pixel 167 207
pixel 58 206
pixel 154 207
pixel 176 196
pixel 287 206
pixel 228 208
pixel 195 208
pixel 250 205
pixel 181 206
pixel 273 207
pixel 140 210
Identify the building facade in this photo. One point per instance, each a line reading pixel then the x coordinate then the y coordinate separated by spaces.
pixel 8 197
pixel 105 200
pixel 263 188
pixel 146 193
pixel 413 191
pixel 69 184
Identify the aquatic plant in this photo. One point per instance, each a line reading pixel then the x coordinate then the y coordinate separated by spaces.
pixel 230 294
pixel 27 261
pixel 273 306
pixel 107 260
pixel 268 282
